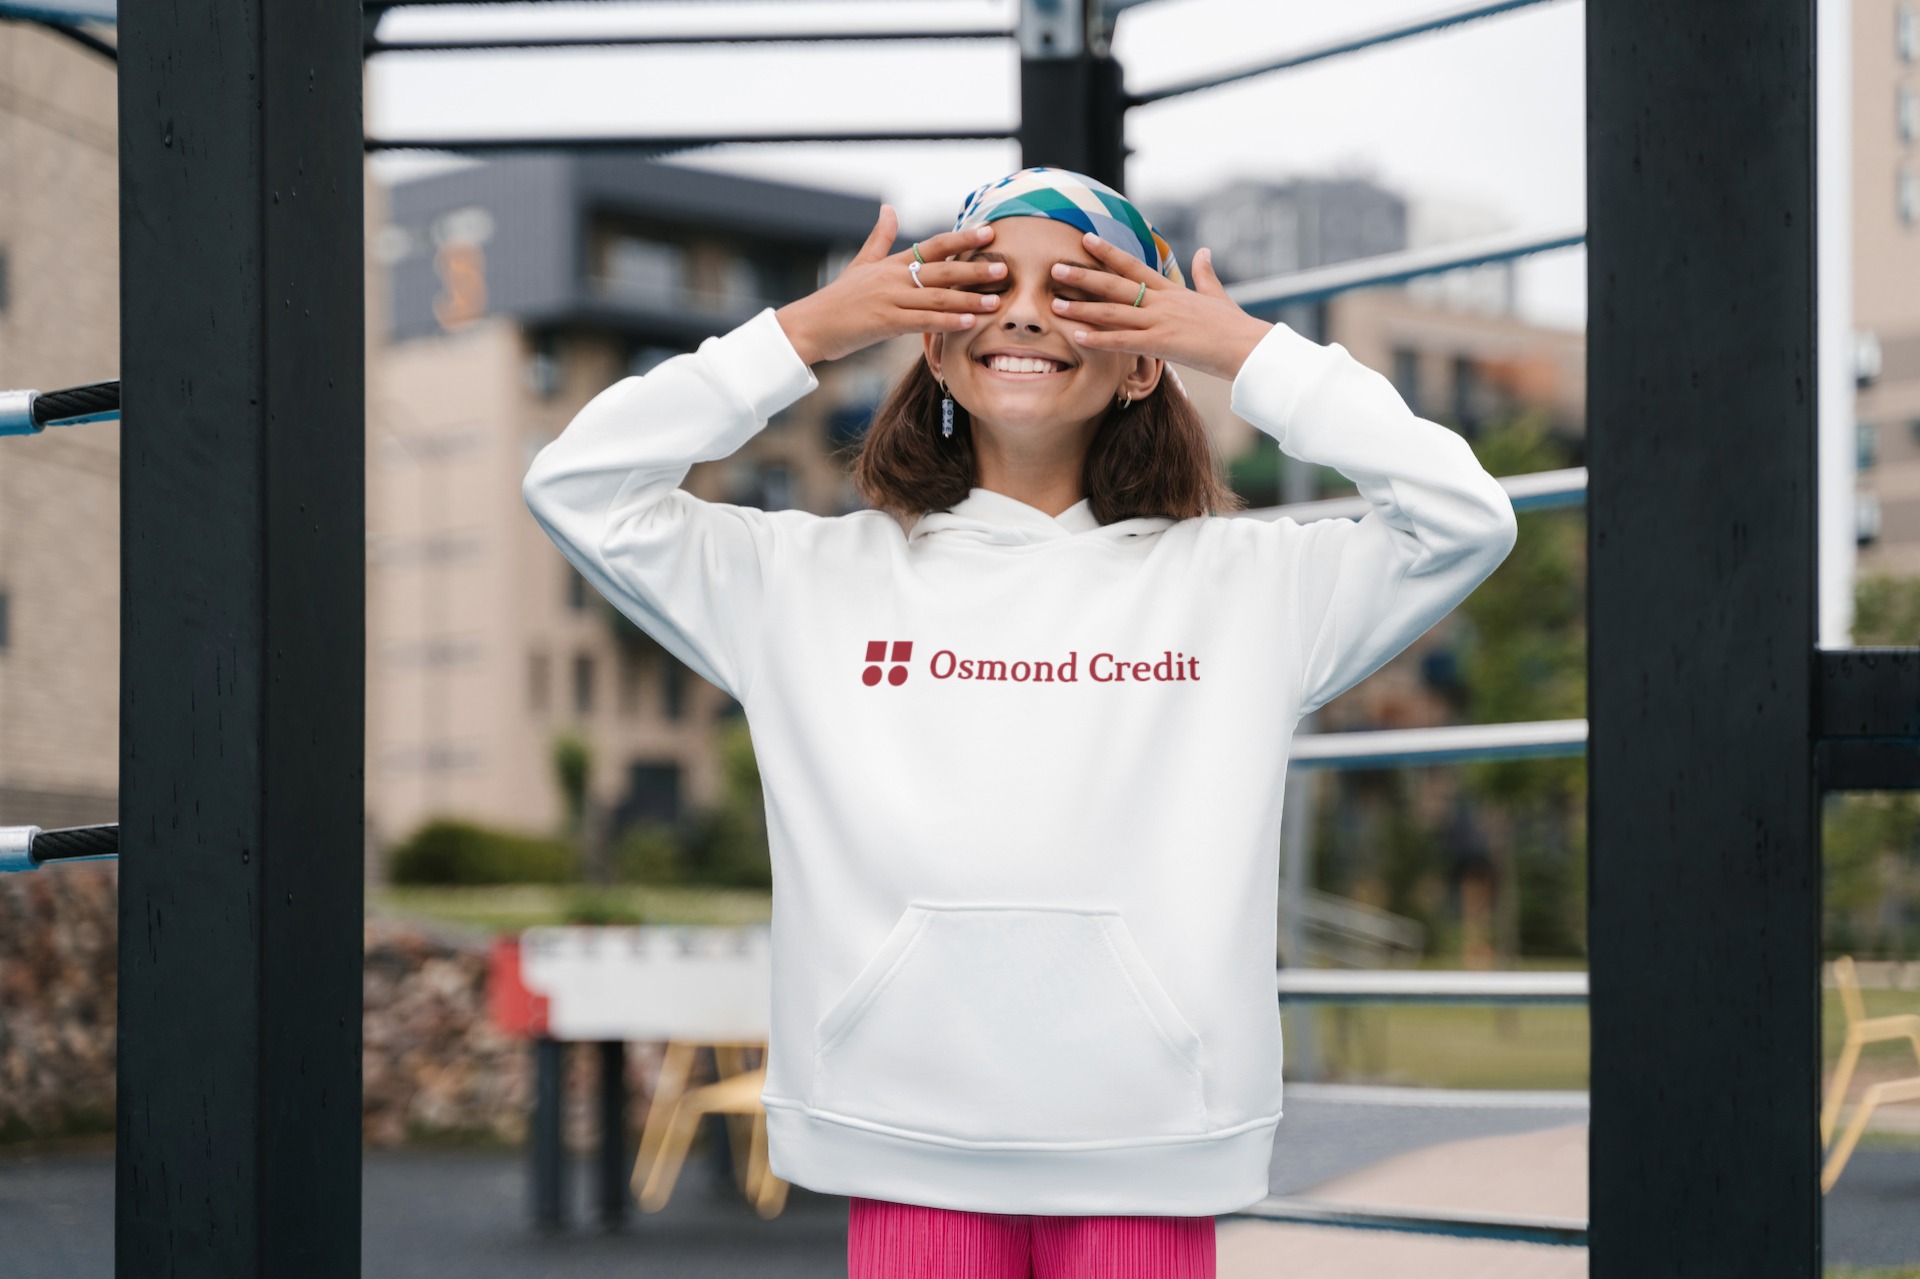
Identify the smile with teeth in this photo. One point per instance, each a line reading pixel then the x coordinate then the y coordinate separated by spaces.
pixel 1023 364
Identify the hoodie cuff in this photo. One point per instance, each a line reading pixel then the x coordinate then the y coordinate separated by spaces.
pixel 1276 377
pixel 758 360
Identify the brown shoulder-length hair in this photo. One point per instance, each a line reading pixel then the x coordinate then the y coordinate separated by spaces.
pixel 1152 458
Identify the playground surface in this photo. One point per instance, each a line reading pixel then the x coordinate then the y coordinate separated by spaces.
pixel 464 1214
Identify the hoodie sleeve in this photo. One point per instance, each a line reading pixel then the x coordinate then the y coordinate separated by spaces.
pixel 1439 526
pixel 689 572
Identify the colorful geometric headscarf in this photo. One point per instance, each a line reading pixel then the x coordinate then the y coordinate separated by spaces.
pixel 1076 199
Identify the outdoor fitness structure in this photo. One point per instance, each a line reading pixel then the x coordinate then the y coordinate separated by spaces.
pixel 1715 721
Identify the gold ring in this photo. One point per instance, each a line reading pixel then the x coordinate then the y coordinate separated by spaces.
pixel 1143 294
pixel 916 254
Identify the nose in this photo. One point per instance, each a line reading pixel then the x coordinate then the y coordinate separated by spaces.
pixel 1023 308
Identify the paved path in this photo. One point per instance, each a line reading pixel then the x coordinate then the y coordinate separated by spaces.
pixel 463 1215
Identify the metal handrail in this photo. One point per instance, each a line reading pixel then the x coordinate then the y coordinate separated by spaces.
pixel 1531 491
pixel 29 847
pixel 1348 44
pixel 1446 744
pixel 1398 267
pixel 1507 1227
pixel 1428 986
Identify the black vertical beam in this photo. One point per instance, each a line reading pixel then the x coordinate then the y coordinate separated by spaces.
pixel 547 1137
pixel 242 361
pixel 615 1168
pixel 1704 883
pixel 1072 99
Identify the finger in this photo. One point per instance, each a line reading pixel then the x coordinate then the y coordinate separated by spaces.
pixel 1124 340
pixel 951 272
pixel 1108 315
pixel 1205 278
pixel 932 299
pixel 948 243
pixel 1120 261
pixel 1102 284
pixel 880 240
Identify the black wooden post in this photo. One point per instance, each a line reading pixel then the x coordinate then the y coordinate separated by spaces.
pixel 242 542
pixel 1072 102
pixel 615 1168
pixel 547 1141
pixel 1704 888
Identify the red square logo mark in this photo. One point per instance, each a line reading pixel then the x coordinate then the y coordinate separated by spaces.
pixel 877 658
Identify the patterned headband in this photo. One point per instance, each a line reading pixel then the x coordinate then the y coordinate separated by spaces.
pixel 1078 200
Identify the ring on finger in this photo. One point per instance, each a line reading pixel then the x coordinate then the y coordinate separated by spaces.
pixel 917 259
pixel 913 269
pixel 1143 294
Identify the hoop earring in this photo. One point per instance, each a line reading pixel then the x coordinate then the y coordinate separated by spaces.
pixel 1126 401
pixel 946 411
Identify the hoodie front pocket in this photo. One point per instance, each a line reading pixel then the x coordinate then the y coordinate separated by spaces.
pixel 1018 1023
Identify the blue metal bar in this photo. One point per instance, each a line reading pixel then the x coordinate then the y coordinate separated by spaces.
pixel 1534 491
pixel 604 41
pixel 1349 44
pixel 1397 268
pixel 1427 986
pixel 681 141
pixel 1449 744
pixel 1561 1231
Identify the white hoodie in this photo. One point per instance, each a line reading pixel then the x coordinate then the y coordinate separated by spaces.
pixel 1023 773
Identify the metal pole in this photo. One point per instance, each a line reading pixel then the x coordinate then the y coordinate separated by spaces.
pixel 1704 888
pixel 242 635
pixel 1296 844
pixel 614 1165
pixel 1072 102
pixel 547 1141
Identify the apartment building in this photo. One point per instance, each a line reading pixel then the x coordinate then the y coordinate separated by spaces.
pixel 1886 281
pixel 59 490
pixel 515 291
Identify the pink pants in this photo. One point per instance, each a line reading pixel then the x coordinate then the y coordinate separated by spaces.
pixel 888 1240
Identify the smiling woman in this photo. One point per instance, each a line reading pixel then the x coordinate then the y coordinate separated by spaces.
pixel 1033 400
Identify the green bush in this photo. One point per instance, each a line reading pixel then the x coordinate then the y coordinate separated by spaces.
pixel 600 906
pixel 448 851
pixel 650 852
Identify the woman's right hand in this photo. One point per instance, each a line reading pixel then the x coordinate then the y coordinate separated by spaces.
pixel 875 298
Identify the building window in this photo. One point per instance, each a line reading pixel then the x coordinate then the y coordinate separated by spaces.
pixel 643 359
pixel 6 621
pixel 3 278
pixel 673 685
pixel 582 684
pixel 543 366
pixel 1465 395
pixel 1906 31
pixel 1909 195
pixel 1866 446
pixel 645 270
pixel 653 794
pixel 1907 114
pixel 576 589
pixel 631 671
pixel 539 682
pixel 1406 377
pixel 1866 518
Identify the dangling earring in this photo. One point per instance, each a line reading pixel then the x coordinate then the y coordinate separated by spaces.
pixel 946 411
pixel 1126 401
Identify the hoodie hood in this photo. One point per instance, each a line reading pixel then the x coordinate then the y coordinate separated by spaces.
pixel 987 516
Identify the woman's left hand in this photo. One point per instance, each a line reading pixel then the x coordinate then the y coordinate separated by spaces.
pixel 1200 327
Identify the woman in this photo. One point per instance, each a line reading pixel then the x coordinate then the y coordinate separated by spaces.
pixel 1023 747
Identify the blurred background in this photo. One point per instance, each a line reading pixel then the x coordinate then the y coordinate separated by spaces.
pixel 534 758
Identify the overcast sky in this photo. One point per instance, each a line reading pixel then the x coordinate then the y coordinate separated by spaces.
pixel 1487 114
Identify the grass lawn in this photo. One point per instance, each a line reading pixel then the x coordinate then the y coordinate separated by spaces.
pixel 1442 1047
pixel 1527 1047
pixel 510 907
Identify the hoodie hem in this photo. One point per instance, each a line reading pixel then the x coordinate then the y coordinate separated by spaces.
pixel 1197 1176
